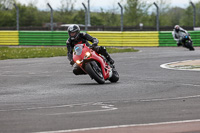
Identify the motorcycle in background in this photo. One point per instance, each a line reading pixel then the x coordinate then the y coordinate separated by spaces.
pixel 187 42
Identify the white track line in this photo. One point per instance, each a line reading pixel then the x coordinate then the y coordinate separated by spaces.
pixel 166 99
pixel 103 106
pixel 167 67
pixel 121 126
pixel 191 85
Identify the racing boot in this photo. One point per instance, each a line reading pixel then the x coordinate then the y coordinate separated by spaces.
pixel 110 59
pixel 102 50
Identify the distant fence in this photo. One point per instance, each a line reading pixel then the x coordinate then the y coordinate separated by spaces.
pixel 58 38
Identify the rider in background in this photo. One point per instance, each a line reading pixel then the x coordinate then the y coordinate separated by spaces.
pixel 178 34
pixel 75 37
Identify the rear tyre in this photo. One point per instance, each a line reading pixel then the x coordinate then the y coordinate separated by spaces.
pixel 95 72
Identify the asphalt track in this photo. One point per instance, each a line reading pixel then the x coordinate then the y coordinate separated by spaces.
pixel 42 95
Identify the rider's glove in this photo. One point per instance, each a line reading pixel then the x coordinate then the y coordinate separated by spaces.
pixel 92 46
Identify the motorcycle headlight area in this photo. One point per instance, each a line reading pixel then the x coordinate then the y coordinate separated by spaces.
pixel 87 54
pixel 78 62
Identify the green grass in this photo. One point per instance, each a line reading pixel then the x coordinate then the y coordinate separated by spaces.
pixel 120 50
pixel 39 52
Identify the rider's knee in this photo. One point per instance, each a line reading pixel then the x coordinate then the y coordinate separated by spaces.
pixel 102 50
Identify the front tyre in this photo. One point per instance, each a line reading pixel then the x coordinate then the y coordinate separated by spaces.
pixel 95 72
pixel 189 46
pixel 115 76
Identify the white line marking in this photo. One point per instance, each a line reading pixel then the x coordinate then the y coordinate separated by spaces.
pixel 166 66
pixel 166 99
pixel 104 106
pixel 50 107
pixel 110 107
pixel 190 85
pixel 81 112
pixel 121 126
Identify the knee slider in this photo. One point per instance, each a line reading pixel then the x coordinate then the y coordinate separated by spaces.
pixel 102 49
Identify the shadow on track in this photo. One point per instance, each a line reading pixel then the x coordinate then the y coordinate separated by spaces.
pixel 94 83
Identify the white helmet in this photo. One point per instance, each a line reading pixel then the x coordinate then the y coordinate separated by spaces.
pixel 177 28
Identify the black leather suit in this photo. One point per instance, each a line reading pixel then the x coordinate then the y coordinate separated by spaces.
pixel 83 38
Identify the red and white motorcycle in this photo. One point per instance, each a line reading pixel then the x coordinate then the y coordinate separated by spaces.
pixel 95 65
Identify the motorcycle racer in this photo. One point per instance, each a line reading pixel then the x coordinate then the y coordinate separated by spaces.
pixel 178 34
pixel 75 37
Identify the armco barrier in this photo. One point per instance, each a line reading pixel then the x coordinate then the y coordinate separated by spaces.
pixel 195 35
pixel 58 38
pixel 126 38
pixel 166 38
pixel 9 38
pixel 44 38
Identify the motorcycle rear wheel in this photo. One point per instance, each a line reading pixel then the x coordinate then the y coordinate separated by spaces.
pixel 95 72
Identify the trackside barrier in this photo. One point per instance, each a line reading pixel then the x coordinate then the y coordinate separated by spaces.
pixel 195 35
pixel 9 38
pixel 126 38
pixel 58 38
pixel 44 38
pixel 166 39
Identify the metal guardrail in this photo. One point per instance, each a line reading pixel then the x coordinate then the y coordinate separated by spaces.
pixel 9 38
pixel 58 38
pixel 127 38
pixel 166 39
pixel 44 38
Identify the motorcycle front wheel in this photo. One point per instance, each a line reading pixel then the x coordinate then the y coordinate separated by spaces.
pixel 189 46
pixel 95 72
pixel 115 77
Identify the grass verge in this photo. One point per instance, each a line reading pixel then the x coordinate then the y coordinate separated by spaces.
pixel 39 52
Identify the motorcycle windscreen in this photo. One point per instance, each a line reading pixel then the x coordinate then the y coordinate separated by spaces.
pixel 78 49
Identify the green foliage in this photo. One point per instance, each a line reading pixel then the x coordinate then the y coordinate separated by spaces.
pixel 8 19
pixel 187 18
pixel 28 15
pixel 120 50
pixel 135 12
pixel 176 14
pixel 77 19
pixel 109 18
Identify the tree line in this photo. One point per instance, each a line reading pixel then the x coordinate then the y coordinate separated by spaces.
pixel 135 12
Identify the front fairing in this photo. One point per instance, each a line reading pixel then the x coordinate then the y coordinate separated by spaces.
pixel 79 52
